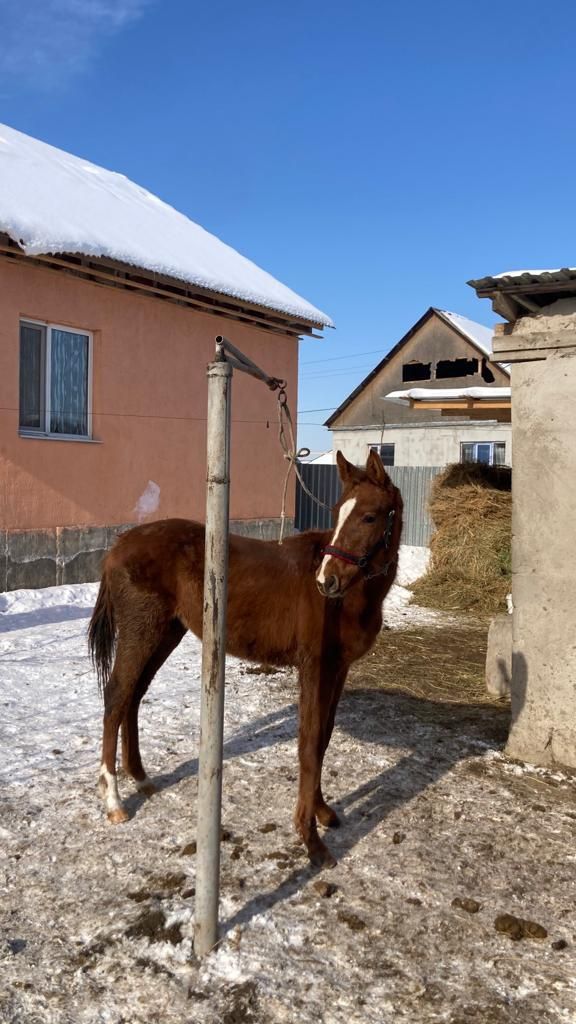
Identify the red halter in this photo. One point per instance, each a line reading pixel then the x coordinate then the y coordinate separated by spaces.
pixel 363 561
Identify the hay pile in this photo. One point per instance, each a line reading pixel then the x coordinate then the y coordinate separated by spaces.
pixel 471 508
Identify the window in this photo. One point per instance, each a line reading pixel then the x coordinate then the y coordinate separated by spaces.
pixel 493 453
pixel 456 368
pixel 55 372
pixel 385 451
pixel 416 371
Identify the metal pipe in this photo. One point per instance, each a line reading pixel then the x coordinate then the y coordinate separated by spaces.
pixel 241 362
pixel 213 655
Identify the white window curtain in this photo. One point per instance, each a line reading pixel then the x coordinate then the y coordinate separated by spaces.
pixel 493 453
pixel 68 383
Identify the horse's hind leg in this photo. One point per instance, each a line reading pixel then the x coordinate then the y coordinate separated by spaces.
pixel 131 760
pixel 138 637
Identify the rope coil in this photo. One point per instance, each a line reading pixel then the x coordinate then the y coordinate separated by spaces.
pixel 291 454
pixel 225 350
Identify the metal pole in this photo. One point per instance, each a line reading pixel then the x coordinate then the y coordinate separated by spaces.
pixel 213 655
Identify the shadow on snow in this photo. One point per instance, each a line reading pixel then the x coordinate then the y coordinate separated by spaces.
pixel 439 737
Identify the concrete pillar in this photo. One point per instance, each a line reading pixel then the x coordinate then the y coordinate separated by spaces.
pixel 542 351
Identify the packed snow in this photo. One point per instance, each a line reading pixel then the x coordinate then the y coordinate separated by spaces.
pixel 53 202
pixel 436 394
pixel 96 922
pixel 533 273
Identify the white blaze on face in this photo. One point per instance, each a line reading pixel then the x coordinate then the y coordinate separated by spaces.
pixel 343 514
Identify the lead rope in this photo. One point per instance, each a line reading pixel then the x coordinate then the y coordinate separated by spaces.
pixel 291 454
pixel 240 361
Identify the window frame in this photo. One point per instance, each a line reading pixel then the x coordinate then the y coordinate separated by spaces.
pixel 43 432
pixel 492 444
pixel 375 447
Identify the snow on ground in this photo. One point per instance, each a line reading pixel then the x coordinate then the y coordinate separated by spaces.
pixel 96 921
pixel 398 613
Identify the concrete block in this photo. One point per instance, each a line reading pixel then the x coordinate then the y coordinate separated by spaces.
pixel 31 559
pixel 73 554
pixel 80 553
pixel 499 656
pixel 3 560
pixel 263 529
pixel 115 531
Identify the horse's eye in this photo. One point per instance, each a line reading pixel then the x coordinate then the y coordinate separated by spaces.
pixel 369 518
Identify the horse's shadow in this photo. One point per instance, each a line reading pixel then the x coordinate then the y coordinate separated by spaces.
pixel 453 732
pixel 456 732
pixel 277 726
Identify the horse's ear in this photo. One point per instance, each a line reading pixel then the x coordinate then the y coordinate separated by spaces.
pixel 347 471
pixel 375 470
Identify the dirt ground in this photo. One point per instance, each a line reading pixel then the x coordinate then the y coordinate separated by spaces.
pixel 446 848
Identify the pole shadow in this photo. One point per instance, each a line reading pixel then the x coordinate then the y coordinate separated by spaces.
pixel 276 727
pixel 456 732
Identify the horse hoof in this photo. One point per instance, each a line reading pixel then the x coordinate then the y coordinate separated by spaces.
pixel 117 816
pixel 322 858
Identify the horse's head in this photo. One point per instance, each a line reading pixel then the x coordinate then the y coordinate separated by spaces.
pixel 367 524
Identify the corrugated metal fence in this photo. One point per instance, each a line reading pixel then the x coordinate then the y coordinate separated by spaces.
pixel 413 482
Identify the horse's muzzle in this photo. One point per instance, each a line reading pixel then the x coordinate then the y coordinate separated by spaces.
pixel 330 587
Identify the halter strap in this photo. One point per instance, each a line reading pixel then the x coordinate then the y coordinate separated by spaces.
pixel 344 556
pixel 363 561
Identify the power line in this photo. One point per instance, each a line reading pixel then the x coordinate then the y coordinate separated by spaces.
pixel 327 408
pixel 330 359
pixel 337 373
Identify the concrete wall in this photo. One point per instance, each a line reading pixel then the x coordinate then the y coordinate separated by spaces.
pixel 542 351
pixel 73 554
pixel 433 341
pixel 427 443
pixel 149 410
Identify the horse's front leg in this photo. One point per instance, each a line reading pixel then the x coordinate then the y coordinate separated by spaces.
pixel 320 689
pixel 327 815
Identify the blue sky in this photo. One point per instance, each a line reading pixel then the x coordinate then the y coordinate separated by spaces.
pixel 373 156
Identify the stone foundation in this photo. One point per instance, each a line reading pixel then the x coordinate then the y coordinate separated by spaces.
pixel 30 559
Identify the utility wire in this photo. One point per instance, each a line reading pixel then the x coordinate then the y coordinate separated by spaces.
pixel 331 359
pixel 348 372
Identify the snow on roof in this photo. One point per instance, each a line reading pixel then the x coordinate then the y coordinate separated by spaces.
pixel 53 202
pixel 324 458
pixel 477 333
pixel 533 273
pixel 444 394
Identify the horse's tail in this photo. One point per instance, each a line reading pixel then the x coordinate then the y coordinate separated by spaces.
pixel 102 634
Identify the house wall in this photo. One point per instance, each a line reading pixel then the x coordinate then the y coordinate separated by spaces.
pixel 433 341
pixel 542 352
pixel 428 443
pixel 149 417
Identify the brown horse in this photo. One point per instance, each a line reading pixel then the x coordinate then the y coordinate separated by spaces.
pixel 314 602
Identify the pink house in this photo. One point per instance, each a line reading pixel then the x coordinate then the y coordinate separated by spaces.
pixel 110 301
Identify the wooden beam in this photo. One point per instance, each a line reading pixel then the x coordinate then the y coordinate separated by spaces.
pixel 504 306
pixel 460 403
pixel 532 307
pixel 106 271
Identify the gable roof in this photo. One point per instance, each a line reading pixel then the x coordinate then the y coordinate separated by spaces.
pixel 477 334
pixel 54 203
